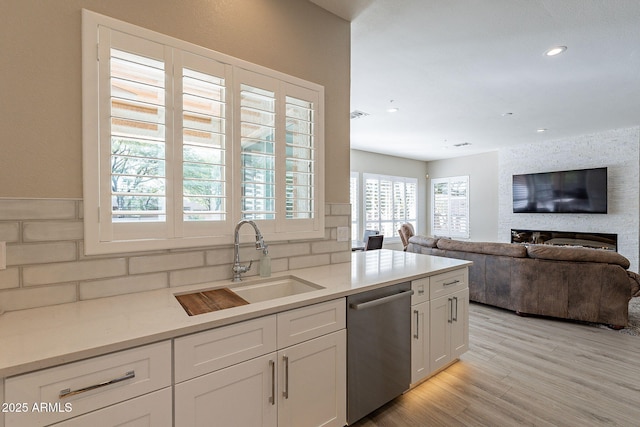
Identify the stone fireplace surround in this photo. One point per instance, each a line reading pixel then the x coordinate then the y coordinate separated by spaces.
pixel 607 241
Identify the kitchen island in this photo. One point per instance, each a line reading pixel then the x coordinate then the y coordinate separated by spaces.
pixel 40 338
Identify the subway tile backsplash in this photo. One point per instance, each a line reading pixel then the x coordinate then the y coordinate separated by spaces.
pixel 46 264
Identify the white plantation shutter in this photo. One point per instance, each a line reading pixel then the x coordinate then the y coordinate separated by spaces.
pixel 167 133
pixel 389 201
pixel 137 123
pixel 135 149
pixel 180 142
pixel 279 132
pixel 203 135
pixel 354 196
pixel 258 152
pixel 300 158
pixel 203 147
pixel 450 206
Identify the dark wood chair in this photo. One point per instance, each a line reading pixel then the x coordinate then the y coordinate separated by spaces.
pixel 374 242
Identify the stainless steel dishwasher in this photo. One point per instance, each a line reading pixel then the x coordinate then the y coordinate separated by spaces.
pixel 378 348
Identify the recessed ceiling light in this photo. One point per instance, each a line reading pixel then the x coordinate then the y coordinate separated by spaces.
pixel 556 50
pixel 507 114
pixel 541 130
pixel 392 108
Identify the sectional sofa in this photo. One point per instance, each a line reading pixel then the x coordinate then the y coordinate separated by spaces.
pixel 591 285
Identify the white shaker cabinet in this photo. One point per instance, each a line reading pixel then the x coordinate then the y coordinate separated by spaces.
pixel 439 322
pixel 302 384
pixel 240 395
pixel 449 326
pixel 312 382
pixel 420 342
pixel 460 327
pixel 420 330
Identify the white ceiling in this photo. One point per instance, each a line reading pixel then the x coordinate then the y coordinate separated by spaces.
pixel 454 68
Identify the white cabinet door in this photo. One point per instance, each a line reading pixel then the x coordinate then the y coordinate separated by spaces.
pixel 241 395
pixel 312 379
pixel 449 326
pixel 440 336
pixel 460 324
pixel 150 410
pixel 419 342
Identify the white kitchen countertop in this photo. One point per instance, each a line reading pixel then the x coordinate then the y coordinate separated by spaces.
pixel 48 336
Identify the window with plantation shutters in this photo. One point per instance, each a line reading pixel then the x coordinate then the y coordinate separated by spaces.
pixel 181 142
pixel 450 206
pixel 354 197
pixel 389 202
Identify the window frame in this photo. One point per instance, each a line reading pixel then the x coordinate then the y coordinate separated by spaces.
pixel 450 230
pixel 354 197
pixel 395 237
pixel 102 235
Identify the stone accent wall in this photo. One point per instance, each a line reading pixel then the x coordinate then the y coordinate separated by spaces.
pixel 616 149
pixel 46 264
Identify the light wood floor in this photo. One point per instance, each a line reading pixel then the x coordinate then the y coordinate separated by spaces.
pixel 526 371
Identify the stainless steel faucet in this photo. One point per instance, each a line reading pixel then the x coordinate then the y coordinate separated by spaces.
pixel 238 268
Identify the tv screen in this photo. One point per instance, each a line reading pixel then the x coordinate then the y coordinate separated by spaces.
pixel 575 191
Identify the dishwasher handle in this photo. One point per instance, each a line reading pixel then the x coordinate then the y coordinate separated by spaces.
pixel 380 301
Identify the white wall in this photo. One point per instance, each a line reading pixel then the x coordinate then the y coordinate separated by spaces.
pixel 482 170
pixel 616 149
pixel 366 162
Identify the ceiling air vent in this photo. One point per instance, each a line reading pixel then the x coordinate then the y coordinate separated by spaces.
pixel 356 114
pixel 462 144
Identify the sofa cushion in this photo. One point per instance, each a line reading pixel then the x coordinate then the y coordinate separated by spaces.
pixel 489 248
pixel 573 253
pixel 429 242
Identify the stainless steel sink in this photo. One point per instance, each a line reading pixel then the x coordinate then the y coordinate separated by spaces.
pixel 277 287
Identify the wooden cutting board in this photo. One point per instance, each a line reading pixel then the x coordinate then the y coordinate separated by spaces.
pixel 208 301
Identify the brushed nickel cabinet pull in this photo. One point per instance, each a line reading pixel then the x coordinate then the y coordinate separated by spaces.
pixel 455 317
pixel 285 392
pixel 450 314
pixel 451 283
pixel 272 398
pixel 417 334
pixel 67 392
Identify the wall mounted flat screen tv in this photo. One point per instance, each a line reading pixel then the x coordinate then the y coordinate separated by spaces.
pixel 574 191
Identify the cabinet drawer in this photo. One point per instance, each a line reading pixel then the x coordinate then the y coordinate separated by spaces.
pixel 152 409
pixel 208 351
pixel 449 282
pixel 302 324
pixel 80 387
pixel 421 291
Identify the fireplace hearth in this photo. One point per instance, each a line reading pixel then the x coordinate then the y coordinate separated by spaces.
pixel 605 241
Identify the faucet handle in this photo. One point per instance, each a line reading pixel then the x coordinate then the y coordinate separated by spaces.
pixel 239 268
